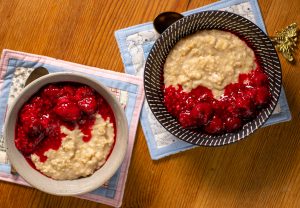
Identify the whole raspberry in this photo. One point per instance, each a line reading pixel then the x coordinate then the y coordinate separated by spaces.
pixel 28 114
pixel 245 107
pixel 190 103
pixel 83 92
pixel 68 111
pixel 232 110
pixel 186 120
pixel 37 102
pixel 88 105
pixel 220 106
pixel 232 123
pixel 215 126
pixel 51 91
pixel 202 112
pixel 64 99
pixel 68 90
pixel 251 92
pixel 262 96
pixel 202 94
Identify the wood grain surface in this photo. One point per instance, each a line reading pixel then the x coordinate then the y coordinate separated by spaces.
pixel 260 171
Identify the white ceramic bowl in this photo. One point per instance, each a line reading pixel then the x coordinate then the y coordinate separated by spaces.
pixel 66 187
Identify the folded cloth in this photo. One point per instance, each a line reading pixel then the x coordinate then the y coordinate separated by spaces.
pixel 16 66
pixel 135 44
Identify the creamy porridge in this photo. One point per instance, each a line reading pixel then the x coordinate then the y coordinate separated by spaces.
pixel 76 158
pixel 210 58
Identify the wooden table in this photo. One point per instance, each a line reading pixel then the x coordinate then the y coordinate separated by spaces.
pixel 261 171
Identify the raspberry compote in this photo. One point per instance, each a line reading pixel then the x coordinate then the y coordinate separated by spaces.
pixel 240 103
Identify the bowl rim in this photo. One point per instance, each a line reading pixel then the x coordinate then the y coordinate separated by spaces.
pixel 68 187
pixel 208 137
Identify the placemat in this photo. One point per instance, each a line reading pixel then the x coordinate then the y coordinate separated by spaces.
pixel 16 66
pixel 135 44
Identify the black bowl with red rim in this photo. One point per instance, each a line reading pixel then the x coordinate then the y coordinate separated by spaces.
pixel 153 76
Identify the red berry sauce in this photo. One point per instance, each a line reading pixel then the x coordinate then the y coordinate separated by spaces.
pixel 67 103
pixel 240 103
